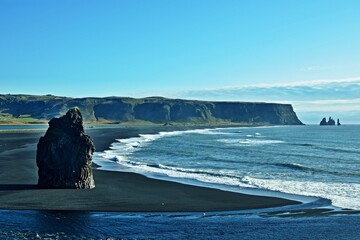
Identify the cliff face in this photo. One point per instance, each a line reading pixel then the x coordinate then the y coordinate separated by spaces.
pixel 154 110
pixel 277 114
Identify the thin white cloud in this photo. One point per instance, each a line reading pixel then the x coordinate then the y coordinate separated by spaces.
pixel 233 92
pixel 332 89
pixel 326 102
pixel 323 107
pixel 326 105
pixel 311 83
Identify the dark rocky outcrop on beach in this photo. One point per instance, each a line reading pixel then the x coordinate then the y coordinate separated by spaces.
pixel 158 110
pixel 64 154
pixel 331 122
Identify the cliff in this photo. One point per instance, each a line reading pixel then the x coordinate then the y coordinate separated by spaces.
pixel 158 110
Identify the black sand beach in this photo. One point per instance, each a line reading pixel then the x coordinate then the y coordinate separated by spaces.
pixel 115 191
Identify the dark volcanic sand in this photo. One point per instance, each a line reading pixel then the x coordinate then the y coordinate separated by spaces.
pixel 115 191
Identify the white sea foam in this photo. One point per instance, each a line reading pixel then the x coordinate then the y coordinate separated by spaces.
pixel 110 162
pixel 184 173
pixel 121 150
pixel 249 142
pixel 129 145
pixel 344 195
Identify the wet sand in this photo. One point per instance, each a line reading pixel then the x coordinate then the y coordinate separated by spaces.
pixel 115 191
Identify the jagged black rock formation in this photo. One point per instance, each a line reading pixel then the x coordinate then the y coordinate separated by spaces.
pixel 338 122
pixel 64 154
pixel 331 122
pixel 323 122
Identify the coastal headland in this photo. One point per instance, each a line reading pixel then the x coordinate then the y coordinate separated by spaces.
pixel 33 109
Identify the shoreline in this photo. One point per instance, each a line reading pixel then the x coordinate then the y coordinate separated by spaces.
pixel 133 192
pixel 115 191
pixel 111 166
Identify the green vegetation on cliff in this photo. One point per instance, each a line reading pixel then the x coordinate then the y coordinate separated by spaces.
pixel 30 109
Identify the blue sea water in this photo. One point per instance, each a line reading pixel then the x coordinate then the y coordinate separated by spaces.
pixel 24 127
pixel 160 226
pixel 317 161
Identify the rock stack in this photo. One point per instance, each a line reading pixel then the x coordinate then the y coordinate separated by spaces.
pixel 331 122
pixel 64 154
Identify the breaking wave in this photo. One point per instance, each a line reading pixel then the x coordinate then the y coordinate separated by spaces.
pixel 245 158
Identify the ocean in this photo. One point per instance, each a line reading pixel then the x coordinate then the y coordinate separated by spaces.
pixel 243 225
pixel 297 162
pixel 315 165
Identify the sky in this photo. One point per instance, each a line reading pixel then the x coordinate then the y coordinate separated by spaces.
pixel 306 53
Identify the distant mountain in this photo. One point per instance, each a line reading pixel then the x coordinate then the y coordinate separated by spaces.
pixel 19 109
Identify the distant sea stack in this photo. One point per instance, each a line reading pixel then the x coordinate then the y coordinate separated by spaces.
pixel 151 110
pixel 331 122
pixel 64 154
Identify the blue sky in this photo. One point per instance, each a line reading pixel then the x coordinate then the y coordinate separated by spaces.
pixel 302 52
